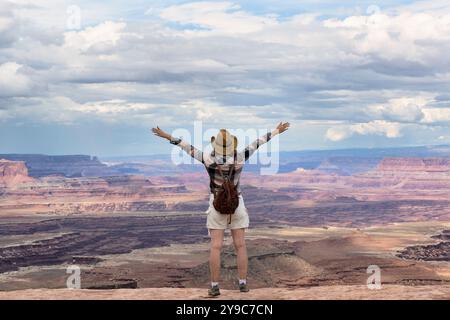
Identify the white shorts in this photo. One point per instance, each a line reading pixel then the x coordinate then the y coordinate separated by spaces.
pixel 216 220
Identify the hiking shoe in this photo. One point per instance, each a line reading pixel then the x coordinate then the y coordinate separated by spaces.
pixel 214 291
pixel 243 288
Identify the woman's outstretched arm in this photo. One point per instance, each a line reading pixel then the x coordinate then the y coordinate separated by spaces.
pixel 251 148
pixel 189 149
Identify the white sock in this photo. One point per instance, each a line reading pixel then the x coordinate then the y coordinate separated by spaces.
pixel 242 281
pixel 213 284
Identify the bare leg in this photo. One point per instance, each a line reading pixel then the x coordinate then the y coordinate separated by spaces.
pixel 241 251
pixel 214 257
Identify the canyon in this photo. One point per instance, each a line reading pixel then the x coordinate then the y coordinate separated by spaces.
pixel 419 185
pixel 319 225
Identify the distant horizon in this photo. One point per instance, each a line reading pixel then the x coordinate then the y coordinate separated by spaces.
pixel 282 151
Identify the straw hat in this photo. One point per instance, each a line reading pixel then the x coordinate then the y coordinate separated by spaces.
pixel 224 143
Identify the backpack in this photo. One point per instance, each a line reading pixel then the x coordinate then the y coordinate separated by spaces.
pixel 226 198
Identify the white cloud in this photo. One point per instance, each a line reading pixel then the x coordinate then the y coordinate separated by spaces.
pixel 224 17
pixel 12 81
pixel 101 37
pixel 377 127
pixel 436 115
pixel 61 109
pixel 216 113
pixel 400 109
pixel 395 37
pixel 5 23
pixel 422 110
pixel 66 111
pixel 338 133
pixel 425 6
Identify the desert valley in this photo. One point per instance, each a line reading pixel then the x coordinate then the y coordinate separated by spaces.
pixel 316 225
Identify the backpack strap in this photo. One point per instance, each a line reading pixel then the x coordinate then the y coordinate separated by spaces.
pixel 231 171
pixel 231 176
pixel 234 163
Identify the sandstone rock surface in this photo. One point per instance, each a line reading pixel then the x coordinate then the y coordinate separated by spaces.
pixel 13 172
pixel 388 292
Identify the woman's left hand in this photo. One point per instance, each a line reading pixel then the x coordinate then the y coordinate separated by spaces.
pixel 160 133
pixel 282 127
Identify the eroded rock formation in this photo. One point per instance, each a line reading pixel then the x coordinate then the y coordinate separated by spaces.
pixel 13 172
pixel 40 165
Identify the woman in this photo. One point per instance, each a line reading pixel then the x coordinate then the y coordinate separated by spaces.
pixel 225 156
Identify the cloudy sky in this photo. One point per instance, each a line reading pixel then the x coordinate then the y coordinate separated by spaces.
pixel 93 76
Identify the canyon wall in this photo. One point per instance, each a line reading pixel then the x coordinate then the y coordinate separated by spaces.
pixel 67 165
pixel 393 179
pixel 13 172
pixel 418 165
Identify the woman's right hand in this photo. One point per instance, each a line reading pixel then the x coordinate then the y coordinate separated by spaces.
pixel 160 133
